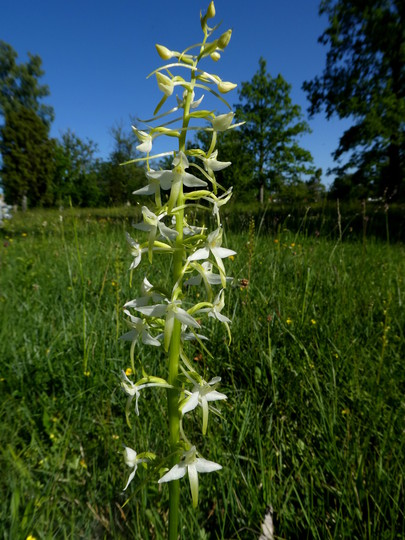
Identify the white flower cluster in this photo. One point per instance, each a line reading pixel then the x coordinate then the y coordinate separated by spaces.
pixel 5 211
pixel 168 318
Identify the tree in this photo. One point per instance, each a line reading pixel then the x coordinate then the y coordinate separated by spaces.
pixel 76 172
pixel 19 84
pixel 272 125
pixel 364 80
pixel 26 149
pixel 27 158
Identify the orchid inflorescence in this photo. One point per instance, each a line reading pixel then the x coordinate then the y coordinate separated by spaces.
pixel 168 319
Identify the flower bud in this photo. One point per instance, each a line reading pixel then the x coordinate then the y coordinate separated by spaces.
pixel 164 83
pixel 164 52
pixel 210 11
pixel 225 87
pixel 224 39
pixel 222 121
pixel 215 56
pixel 130 457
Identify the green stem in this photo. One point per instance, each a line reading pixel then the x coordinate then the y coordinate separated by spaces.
pixel 174 349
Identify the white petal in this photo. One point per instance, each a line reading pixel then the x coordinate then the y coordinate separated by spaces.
pixel 167 232
pixel 204 466
pixel 165 178
pixel 219 316
pixel 130 457
pixel 150 189
pixel 190 180
pixel 131 476
pixel 223 253
pixel 143 227
pixel 214 396
pixel 200 254
pixel 158 310
pixel 147 339
pixel 185 318
pixel 190 404
pixel 193 478
pixel 176 472
pixel 130 336
pixel 145 146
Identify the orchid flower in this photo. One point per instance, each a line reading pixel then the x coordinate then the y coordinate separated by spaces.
pixel 213 245
pixel 165 84
pixel 176 177
pixel 202 393
pixel 145 140
pixel 151 224
pixel 147 293
pixel 216 308
pixel 132 459
pixel 191 464
pixel 139 328
pixel 171 310
pixel 205 273
pixel 136 251
pixel 133 389
pixel 222 122
pixel 193 105
pixel 211 164
pixel 217 202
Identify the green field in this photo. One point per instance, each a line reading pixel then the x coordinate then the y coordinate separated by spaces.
pixel 315 378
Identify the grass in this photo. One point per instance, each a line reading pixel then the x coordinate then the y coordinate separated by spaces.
pixel 315 379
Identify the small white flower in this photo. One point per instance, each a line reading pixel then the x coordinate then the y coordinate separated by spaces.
pixel 172 311
pixel 202 393
pixel 152 223
pixel 147 294
pixel 136 252
pixel 213 245
pixel 193 105
pixel 145 140
pixel 217 202
pixel 192 465
pixel 205 273
pixel 140 328
pixel 216 308
pixel 133 389
pixel 173 180
pixel 132 459
pixel 211 163
pixel 165 84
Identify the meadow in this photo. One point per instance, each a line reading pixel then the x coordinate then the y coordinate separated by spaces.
pixel 315 376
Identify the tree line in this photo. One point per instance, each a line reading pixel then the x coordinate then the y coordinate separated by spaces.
pixel 363 80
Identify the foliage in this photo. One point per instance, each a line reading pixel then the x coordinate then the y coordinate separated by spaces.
pixel 19 84
pixel 313 425
pixel 27 158
pixel 26 150
pixel 272 125
pixel 364 80
pixel 76 171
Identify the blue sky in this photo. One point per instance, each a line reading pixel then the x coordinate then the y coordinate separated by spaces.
pixel 97 53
